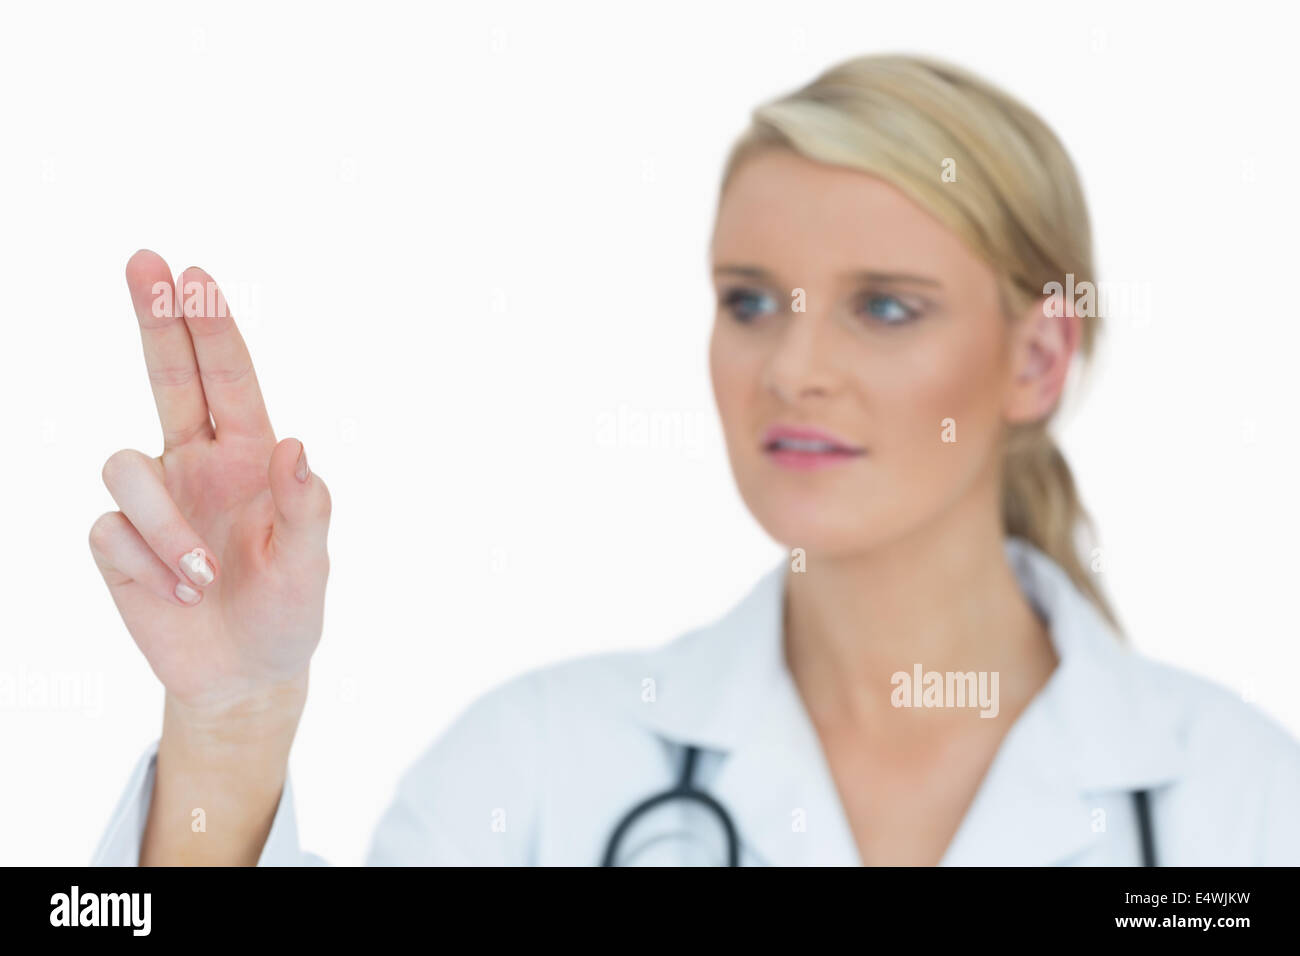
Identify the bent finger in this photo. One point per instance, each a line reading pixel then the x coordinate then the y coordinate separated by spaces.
pixel 136 483
pixel 124 557
pixel 302 502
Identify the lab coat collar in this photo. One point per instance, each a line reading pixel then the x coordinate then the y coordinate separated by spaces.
pixel 1099 725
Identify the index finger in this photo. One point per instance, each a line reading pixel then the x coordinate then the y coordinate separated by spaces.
pixel 168 352
pixel 225 367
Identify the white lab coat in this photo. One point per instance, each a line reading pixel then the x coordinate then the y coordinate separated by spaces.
pixel 540 769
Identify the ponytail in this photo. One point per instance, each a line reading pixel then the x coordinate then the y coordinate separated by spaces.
pixel 1041 504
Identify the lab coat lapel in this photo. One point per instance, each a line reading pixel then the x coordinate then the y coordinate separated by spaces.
pixel 726 688
pixel 1029 809
pixel 1098 726
pixel 780 788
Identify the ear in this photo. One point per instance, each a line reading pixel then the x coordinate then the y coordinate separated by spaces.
pixel 1043 344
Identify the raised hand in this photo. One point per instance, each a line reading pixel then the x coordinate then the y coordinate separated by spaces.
pixel 217 557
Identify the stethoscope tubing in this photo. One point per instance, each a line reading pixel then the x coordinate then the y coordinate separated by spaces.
pixel 685 790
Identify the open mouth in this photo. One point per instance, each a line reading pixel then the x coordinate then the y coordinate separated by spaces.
pixel 807 448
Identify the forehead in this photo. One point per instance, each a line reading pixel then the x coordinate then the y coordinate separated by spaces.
pixel 803 218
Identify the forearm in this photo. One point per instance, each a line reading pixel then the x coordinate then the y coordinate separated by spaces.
pixel 218 779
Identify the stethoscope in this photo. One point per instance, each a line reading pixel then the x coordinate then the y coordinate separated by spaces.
pixel 686 790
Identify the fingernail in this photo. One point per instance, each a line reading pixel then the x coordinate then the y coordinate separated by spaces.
pixel 186 594
pixel 302 471
pixel 196 567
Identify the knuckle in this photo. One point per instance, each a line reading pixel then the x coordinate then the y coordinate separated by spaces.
pixel 179 436
pixel 172 376
pixel 119 465
pixel 226 376
pixel 326 501
pixel 102 531
pixel 322 503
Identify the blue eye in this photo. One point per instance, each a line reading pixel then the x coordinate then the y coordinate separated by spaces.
pixel 889 309
pixel 745 304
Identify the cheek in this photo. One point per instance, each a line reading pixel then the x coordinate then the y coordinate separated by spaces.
pixel 735 371
pixel 947 384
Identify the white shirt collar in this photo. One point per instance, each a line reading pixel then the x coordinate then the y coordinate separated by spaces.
pixel 1100 724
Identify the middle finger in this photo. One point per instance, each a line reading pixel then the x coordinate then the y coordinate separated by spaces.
pixel 225 367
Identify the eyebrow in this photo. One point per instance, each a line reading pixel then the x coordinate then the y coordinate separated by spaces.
pixel 862 275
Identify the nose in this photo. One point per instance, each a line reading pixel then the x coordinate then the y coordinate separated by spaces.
pixel 801 364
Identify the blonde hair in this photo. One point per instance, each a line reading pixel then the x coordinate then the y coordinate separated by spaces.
pixel 1016 201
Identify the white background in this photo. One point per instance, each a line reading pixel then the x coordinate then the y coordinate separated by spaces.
pixel 467 250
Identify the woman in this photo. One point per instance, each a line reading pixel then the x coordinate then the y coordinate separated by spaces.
pixel 934 676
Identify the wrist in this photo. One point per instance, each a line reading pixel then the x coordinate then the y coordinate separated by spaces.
pixel 251 718
pixel 227 758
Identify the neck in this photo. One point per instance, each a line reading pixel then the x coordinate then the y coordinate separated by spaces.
pixel 943 597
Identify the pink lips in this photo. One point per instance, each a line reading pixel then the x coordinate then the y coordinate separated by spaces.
pixel 804 448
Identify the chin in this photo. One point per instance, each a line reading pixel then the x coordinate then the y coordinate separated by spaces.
pixel 818 525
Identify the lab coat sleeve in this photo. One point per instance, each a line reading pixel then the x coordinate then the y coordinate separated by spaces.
pixel 474 797
pixel 120 844
pixel 1281 839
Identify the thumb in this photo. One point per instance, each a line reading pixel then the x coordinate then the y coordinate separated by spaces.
pixel 302 502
